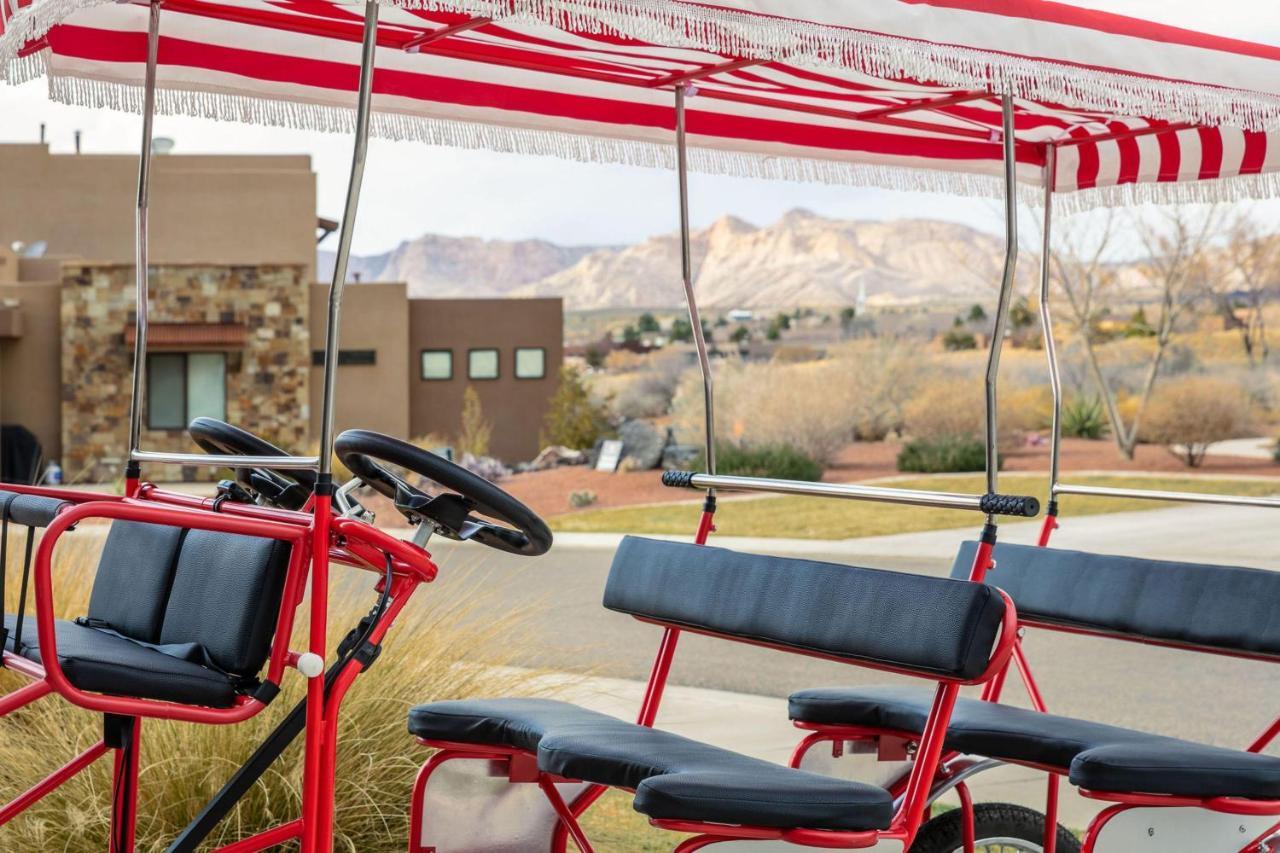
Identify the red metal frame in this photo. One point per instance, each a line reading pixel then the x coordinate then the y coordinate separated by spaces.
pixel 837 734
pixel 317 539
pixel 906 822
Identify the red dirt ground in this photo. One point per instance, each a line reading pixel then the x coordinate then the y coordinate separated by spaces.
pixel 547 492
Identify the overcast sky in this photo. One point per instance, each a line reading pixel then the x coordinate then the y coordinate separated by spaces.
pixel 411 189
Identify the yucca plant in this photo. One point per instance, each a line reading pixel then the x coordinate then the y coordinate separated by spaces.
pixel 1082 417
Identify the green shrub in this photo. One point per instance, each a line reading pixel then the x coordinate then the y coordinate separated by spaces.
pixel 1083 418
pixel 943 455
pixel 573 418
pixel 956 340
pixel 775 461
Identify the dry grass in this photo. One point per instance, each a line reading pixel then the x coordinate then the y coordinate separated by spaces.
pixel 439 650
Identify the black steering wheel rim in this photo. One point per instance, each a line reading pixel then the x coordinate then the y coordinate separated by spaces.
pixel 361 450
pixel 221 438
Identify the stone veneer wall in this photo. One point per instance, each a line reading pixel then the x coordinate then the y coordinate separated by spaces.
pixel 267 380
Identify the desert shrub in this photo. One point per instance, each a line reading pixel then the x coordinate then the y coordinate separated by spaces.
pixel 769 404
pixel 1024 410
pixel 776 461
pixel 574 419
pixel 873 382
pixel 473 440
pixel 943 455
pixel 443 647
pixel 795 353
pixel 951 408
pixel 582 498
pixel 1189 414
pixel 956 340
pixel 1082 417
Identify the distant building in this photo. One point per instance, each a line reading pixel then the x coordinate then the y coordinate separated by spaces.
pixel 237 324
pixel 741 315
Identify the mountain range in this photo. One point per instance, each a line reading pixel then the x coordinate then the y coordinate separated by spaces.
pixel 803 259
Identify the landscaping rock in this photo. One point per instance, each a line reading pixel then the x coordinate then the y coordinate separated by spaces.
pixel 642 445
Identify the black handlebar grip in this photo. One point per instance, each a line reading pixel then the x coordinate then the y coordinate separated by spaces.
pixel 678 479
pixel 1024 506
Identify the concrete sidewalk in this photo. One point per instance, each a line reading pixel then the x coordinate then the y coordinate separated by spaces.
pixel 758 726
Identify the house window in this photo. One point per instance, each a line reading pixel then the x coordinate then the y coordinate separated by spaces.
pixel 182 386
pixel 482 364
pixel 437 364
pixel 347 357
pixel 531 363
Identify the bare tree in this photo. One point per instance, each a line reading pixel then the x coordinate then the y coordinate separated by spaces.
pixel 1251 267
pixel 1174 267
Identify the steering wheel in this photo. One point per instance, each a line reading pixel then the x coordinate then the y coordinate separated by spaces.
pixel 285 488
pixel 453 514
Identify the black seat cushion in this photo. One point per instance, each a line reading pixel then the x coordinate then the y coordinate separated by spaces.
pixel 225 598
pixel 1098 756
pixel 135 573
pixel 674 778
pixel 1220 608
pixel 931 626
pixel 103 662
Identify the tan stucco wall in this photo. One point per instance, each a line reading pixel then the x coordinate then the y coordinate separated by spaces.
pixel 226 209
pixel 374 317
pixel 30 372
pixel 516 408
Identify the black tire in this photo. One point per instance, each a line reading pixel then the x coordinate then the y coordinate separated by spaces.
pixel 992 822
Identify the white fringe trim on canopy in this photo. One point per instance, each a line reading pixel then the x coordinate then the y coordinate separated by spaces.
pixel 803 43
pixel 591 149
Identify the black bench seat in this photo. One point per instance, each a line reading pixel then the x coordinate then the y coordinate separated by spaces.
pixel 103 662
pixel 1095 756
pixel 674 778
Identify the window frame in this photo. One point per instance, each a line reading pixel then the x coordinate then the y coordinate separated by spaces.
pixel 185 357
pixel 515 363
pixel 497 367
pixel 422 377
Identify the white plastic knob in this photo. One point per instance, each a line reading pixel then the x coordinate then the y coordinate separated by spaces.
pixel 310 664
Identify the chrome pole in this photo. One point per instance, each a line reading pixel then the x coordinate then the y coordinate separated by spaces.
pixel 1160 495
pixel 1046 321
pixel 368 51
pixel 141 258
pixel 1016 505
pixel 686 268
pixel 1006 287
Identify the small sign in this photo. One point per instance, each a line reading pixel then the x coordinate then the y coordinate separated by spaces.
pixel 610 455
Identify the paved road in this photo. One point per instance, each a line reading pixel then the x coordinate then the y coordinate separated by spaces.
pixel 1207 698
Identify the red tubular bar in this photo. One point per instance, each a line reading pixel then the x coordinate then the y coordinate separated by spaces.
pixel 568 819
pixel 23 695
pixel 37 792
pixel 968 832
pixel 314 792
pixel 131 510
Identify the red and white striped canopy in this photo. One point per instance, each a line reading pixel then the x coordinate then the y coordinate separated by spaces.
pixel 898 93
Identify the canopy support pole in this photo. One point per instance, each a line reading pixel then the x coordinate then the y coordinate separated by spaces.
pixel 1046 330
pixel 343 256
pixel 1006 292
pixel 141 257
pixel 686 269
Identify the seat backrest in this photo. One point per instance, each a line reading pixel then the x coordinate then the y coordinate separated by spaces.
pixel 1216 608
pixel 931 626
pixel 135 574
pixel 173 586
